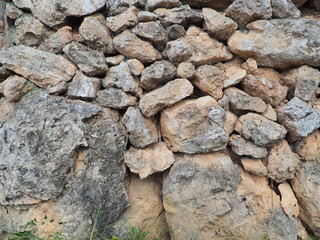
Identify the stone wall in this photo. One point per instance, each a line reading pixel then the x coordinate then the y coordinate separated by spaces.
pixel 189 119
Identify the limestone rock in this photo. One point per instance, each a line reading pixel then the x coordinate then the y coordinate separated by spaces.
pixel 43 68
pixel 245 148
pixel 254 166
pixel 284 9
pixel 250 66
pixel 116 7
pixel 266 84
pixel 114 60
pixel 157 74
pixel 96 34
pixel 218 25
pixel 175 31
pixel 186 126
pixel 115 98
pixel 136 66
pixel 230 123
pixel 154 4
pixel 124 20
pixel 234 75
pixel 174 91
pixel 84 87
pixel 186 70
pixel 289 202
pixel 309 148
pixel 270 113
pixel 14 87
pixel 217 116
pixel 12 11
pixel 129 45
pixel 260 130
pixel 152 159
pixel 299 118
pixel 142 131
pixel 145 16
pixel 282 162
pixel 198 48
pixel 209 79
pixel 307 80
pixel 299 43
pixel 241 101
pixel 151 31
pixel 6 110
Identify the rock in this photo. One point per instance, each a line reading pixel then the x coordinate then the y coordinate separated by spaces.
pixel 209 79
pixel 309 148
pixel 198 48
pixel 116 7
pixel 90 61
pixel 289 202
pixel 216 4
pixel 54 13
pixel 234 75
pixel 175 31
pixel 115 98
pixel 218 25
pixel 4 73
pixel 114 60
pixel 6 110
pixel 145 16
pixel 14 87
pixel 306 188
pixel 124 20
pixel 299 3
pixel 254 166
pixel 230 123
pixel 157 74
pixel 142 131
pixel 186 70
pixel 260 130
pixel 84 87
pixel 151 31
pixel 299 44
pixel 244 12
pixel 307 80
pixel 120 76
pixel 30 31
pixel 299 118
pixel 241 101
pixel 154 4
pixel 250 66
pixel 266 84
pixel 13 12
pixel 136 66
pixel 284 9
pixel 152 159
pixel 96 34
pixel 245 148
pixel 129 45
pixel 43 68
pixel 187 128
pixel 59 88
pixel 282 162
pixel 270 113
pixel 217 116
pixel 174 91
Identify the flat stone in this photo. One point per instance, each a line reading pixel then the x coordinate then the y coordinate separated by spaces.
pixel 124 20
pixel 186 70
pixel 230 123
pixel 151 31
pixel 154 4
pixel 254 166
pixel 234 75
pixel 12 11
pixel 289 202
pixel 270 113
pixel 171 93
pixel 114 60
pixel 309 148
pixel 243 147
pixel 146 16
pixel 136 66
pixel 15 87
pixel 115 98
pixel 43 68
pixel 284 9
pixel 142 131
pixel 84 87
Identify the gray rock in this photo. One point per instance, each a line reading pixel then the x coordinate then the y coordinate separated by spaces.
pixel 116 7
pixel 284 9
pixel 84 87
pixel 142 131
pixel 12 11
pixel 145 16
pixel 124 20
pixel 59 88
pixel 151 31
pixel 90 61
pixel 115 60
pixel 175 31
pixel 157 74
pixel 186 70
pixel 299 118
pixel 217 115
pixel 154 4
pixel 215 4
pixel 115 98
pixel 243 147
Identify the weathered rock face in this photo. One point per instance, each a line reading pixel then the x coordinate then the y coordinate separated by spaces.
pixel 309 147
pixel 289 202
pixel 154 4
pixel 124 20
pixel 115 98
pixel 14 87
pixel 152 31
pixel 284 9
pixel 242 147
pixel 254 166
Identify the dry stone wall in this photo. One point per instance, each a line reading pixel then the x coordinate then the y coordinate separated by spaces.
pixel 189 119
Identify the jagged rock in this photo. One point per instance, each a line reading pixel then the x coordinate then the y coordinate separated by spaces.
pixel 142 131
pixel 282 162
pixel 116 7
pixel 266 84
pixel 96 34
pixel 152 159
pixel 307 190
pixel 124 20
pixel 129 45
pixel 309 148
pixel 289 202
pixel 284 9
pixel 54 13
pixel 299 118
pixel 174 91
pixel 241 101
pixel 14 87
pixel 230 123
pixel 254 166
pixel 151 31
pixel 216 4
pixel 154 4
pixel 175 31
pixel 90 61
pixel 84 87
pixel 270 113
pixel 12 11
pixel 145 16
pixel 260 130
pixel 234 75
pixel 186 70
pixel 209 79
pixel 157 74
pixel 217 24
pixel 299 42
pixel 187 128
pixel 136 66
pixel 114 60
pixel 244 12
pixel 250 66
pixel 198 48
pixel 120 76
pixel 115 98
pixel 243 147
pixel 217 116
pixel 30 31
pixel 43 68
pixel 59 88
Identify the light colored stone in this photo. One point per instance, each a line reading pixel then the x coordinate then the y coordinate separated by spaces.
pixel 230 124
pixel 115 98
pixel 289 202
pixel 129 45
pixel 6 110
pixel 174 91
pixel 59 88
pixel 124 20
pixel 12 11
pixel 284 9
pixel 84 87
pixel 307 82
pixel 260 130
pixel 186 70
pixel 299 43
pixel 187 127
pixel 15 87
pixel 142 131
pixel 254 166
pixel 43 68
pixel 136 66
pixel 154 4
pixel 270 113
pixel 250 66
pixel 145 16
pixel 114 60
pixel 153 32
pixel 234 75
pixel 243 147
pixel 152 159
pixel 309 148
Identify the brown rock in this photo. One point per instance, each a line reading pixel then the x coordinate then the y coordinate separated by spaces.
pixel 124 20
pixel 4 73
pixel 309 148
pixel 254 166
pixel 59 88
pixel 151 31
pixel 234 75
pixel 145 16
pixel 14 87
pixel 186 70
pixel 116 7
pixel 154 4
pixel 231 120
pixel 114 60
pixel 250 66
pixel 84 87
pixel 115 98
pixel 289 202
pixel 136 66
pixel 299 3
pixel 270 113
pixel 245 148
